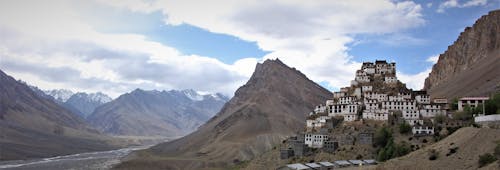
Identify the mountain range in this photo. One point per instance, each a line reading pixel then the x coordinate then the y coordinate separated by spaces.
pixel 156 113
pixel 80 103
pixel 272 105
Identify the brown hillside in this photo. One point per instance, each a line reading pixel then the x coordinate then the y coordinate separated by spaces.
pixel 470 143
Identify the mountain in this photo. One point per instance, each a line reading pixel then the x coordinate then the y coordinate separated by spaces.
pixel 85 103
pixel 272 105
pixel 470 66
pixel 156 113
pixel 61 95
pixel 32 126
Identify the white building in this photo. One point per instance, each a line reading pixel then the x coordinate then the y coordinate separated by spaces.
pixel 429 113
pixel 390 80
pixel 362 79
pixel 371 104
pixel 320 109
pixel 382 115
pixel 415 122
pixel 346 100
pixel 315 140
pixel 406 96
pixel 337 95
pixel 329 102
pixel 411 114
pixel 376 96
pixel 422 130
pixel 341 109
pixel 366 88
pixel 401 105
pixel 350 117
pixel 423 99
pixel 471 101
pixel 318 122
pixel 368 68
pixel 396 98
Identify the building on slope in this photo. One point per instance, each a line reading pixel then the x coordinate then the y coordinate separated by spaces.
pixel 375 94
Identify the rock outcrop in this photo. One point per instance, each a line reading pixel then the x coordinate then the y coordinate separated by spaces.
pixel 471 66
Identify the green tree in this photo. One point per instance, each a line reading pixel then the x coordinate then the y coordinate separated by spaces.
pixel 492 106
pixel 454 104
pixel 401 149
pixel 497 151
pixel 404 128
pixel 382 136
pixel 382 155
pixel 486 159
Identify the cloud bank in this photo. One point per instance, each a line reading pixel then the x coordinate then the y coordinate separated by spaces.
pixel 50 45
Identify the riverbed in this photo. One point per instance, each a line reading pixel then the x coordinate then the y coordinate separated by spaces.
pixel 83 161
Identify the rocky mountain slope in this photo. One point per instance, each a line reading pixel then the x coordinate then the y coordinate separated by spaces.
pixel 273 104
pixel 32 126
pixel 85 104
pixel 469 67
pixel 156 113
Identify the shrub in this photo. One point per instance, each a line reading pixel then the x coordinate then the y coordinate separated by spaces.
pixel 497 151
pixel 486 159
pixel 401 149
pixel 433 154
pixel 452 151
pixel 382 136
pixel 404 128
pixel 440 118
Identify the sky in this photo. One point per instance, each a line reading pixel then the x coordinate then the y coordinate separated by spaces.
pixel 116 46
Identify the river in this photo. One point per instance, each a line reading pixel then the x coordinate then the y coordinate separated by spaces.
pixel 81 161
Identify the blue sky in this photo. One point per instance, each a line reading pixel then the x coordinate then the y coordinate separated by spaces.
pixel 117 46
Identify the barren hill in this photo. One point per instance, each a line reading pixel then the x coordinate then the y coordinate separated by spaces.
pixel 270 106
pixel 468 142
pixel 469 67
pixel 32 126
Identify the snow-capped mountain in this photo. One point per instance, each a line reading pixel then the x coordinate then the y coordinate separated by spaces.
pixel 61 95
pixel 82 104
pixel 166 113
pixel 87 103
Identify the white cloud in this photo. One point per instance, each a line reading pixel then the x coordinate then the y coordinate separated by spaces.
pixel 47 45
pixel 415 81
pixel 455 4
pixel 310 36
pixel 433 59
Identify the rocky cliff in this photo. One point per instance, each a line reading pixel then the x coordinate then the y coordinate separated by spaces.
pixel 273 104
pixel 471 65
